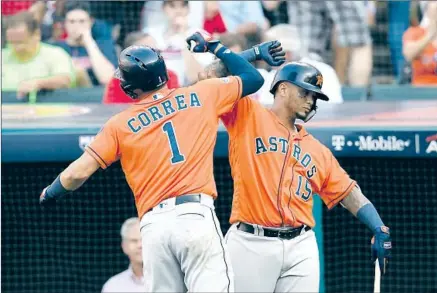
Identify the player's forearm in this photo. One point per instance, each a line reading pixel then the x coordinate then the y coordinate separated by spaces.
pixel 72 181
pixel 72 177
pixel 354 201
pixel 220 70
pixel 66 182
pixel 103 69
pixel 362 208
pixel 251 79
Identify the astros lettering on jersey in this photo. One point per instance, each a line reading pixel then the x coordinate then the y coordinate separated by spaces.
pixel 165 142
pixel 276 173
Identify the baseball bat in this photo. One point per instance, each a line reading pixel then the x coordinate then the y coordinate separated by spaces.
pixel 377 284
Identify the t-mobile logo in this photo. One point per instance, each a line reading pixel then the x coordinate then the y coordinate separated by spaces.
pixel 338 142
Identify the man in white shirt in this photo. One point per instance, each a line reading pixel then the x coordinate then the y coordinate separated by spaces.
pixel 170 40
pixel 289 37
pixel 130 280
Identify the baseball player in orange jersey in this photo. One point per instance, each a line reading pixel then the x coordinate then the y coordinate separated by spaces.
pixel 165 144
pixel 277 167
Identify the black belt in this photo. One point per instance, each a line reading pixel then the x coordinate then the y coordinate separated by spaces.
pixel 184 199
pixel 287 234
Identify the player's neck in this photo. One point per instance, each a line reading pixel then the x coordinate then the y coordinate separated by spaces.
pixel 137 268
pixel 284 116
pixel 164 89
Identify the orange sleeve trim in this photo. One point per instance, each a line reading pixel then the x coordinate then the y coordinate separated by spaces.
pixel 97 157
pixel 339 198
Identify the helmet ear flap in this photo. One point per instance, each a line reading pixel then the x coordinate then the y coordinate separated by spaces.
pixel 312 112
pixel 128 91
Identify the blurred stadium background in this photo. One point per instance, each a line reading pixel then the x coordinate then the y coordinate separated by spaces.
pixel 57 90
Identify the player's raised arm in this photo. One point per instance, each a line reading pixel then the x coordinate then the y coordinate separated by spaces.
pixel 251 79
pixel 365 211
pixel 269 52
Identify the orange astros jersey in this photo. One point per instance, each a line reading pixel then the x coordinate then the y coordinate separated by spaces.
pixel 276 172
pixel 165 142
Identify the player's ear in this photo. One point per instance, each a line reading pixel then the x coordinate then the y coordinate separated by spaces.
pixel 282 89
pixel 124 246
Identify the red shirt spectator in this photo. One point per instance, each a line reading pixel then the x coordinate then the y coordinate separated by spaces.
pixel 215 24
pixel 213 21
pixel 115 95
pixel 12 7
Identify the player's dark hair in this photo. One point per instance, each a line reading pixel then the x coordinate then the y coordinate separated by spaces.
pixel 21 18
pixel 78 5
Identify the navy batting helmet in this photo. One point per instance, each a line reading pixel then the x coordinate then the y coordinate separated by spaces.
pixel 302 75
pixel 141 68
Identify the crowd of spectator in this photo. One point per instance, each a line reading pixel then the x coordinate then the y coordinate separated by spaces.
pixel 48 45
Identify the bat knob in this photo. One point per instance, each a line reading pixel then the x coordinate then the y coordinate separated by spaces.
pixel 192 45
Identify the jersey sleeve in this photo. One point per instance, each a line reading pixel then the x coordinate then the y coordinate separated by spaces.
pixel 224 92
pixel 337 184
pixel 105 146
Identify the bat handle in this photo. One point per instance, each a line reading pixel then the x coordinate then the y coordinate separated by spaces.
pixel 377 284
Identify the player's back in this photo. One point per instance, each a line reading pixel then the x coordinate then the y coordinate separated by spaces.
pixel 165 142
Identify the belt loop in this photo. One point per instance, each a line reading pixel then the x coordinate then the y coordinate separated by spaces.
pixel 302 230
pixel 260 230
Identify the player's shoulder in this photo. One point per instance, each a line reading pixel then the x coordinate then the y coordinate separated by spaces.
pixel 317 147
pixel 216 81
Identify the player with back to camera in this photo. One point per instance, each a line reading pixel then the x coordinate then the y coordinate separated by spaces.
pixel 165 144
pixel 277 167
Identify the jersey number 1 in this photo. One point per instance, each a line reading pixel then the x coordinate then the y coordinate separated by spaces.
pixel 177 157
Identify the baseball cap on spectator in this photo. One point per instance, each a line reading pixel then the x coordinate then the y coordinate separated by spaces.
pixel 113 92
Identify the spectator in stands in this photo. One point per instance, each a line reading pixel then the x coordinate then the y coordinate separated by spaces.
pixel 234 42
pixel 275 11
pixel 11 7
pixel 123 16
pixel 420 48
pixel 155 19
pixel 113 93
pixel 28 65
pixel 52 24
pixel 348 20
pixel 213 20
pixel 398 22
pixel 171 42
pixel 130 280
pixel 89 42
pixel 243 17
pixel 290 40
